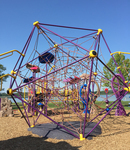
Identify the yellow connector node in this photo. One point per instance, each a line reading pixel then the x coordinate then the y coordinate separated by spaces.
pixel 13 72
pixel 99 31
pixel 127 89
pixel 36 24
pixel 81 137
pixel 56 46
pixel 9 91
pixel 95 73
pixel 32 126
pixel 92 54
pixel 118 67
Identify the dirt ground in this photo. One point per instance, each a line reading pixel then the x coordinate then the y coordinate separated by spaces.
pixel 15 136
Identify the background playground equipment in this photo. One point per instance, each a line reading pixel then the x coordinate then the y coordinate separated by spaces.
pixel 12 72
pixel 70 56
pixel 107 101
pixel 6 108
pixel 10 54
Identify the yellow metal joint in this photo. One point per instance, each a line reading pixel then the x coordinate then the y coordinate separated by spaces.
pixel 9 91
pixel 13 72
pixel 36 24
pixel 81 137
pixel 119 67
pixel 99 31
pixel 92 54
pixel 127 89
pixel 32 126
pixel 56 46
pixel 95 73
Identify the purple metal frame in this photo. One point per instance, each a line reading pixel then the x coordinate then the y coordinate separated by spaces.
pixel 24 52
pixel 43 115
pixel 51 73
pixel 120 111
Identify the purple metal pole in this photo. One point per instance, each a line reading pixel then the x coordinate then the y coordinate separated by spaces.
pixel 29 99
pixel 64 104
pixel 78 38
pixel 40 114
pixel 20 110
pixel 69 107
pixel 103 110
pixel 22 57
pixel 34 93
pixel 28 40
pixel 58 45
pixel 10 82
pixel 120 110
pixel 48 117
pixel 117 93
pixel 73 58
pixel 89 87
pixel 78 96
pixel 23 105
pixel 110 53
pixel 67 27
pixel 46 91
pixel 108 106
pixel 64 38
pixel 87 97
pixel 101 119
pixel 52 72
pixel 112 73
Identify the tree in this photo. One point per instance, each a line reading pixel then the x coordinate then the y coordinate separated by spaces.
pixel 124 65
pixel 2 68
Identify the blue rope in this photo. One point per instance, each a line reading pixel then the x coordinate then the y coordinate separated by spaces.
pixel 83 100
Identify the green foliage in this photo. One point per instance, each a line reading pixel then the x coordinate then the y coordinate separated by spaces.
pixel 124 67
pixel 2 69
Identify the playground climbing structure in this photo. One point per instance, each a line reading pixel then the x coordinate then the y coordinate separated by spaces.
pixel 60 72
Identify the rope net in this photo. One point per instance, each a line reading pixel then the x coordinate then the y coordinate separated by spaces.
pixel 59 81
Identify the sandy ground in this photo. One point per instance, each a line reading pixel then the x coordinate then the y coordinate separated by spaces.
pixel 15 136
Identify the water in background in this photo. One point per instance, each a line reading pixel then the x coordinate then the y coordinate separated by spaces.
pixel 113 98
pixel 101 98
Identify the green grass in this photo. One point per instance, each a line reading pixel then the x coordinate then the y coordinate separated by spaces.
pixel 103 104
pixel 15 107
pixel 61 105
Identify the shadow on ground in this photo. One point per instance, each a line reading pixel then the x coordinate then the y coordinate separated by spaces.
pixel 34 143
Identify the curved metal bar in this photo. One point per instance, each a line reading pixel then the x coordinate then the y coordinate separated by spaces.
pixel 1 77
pixel 10 54
pixel 120 53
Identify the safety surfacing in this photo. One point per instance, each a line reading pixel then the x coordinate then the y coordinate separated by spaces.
pixel 51 130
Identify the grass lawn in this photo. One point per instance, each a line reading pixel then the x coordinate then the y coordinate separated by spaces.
pixel 60 104
pixel 103 104
pixel 15 107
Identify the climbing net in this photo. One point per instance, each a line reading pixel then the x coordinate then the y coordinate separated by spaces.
pixel 60 78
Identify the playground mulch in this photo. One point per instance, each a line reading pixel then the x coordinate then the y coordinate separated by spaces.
pixel 14 135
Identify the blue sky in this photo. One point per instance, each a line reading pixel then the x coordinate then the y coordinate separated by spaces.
pixel 17 17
